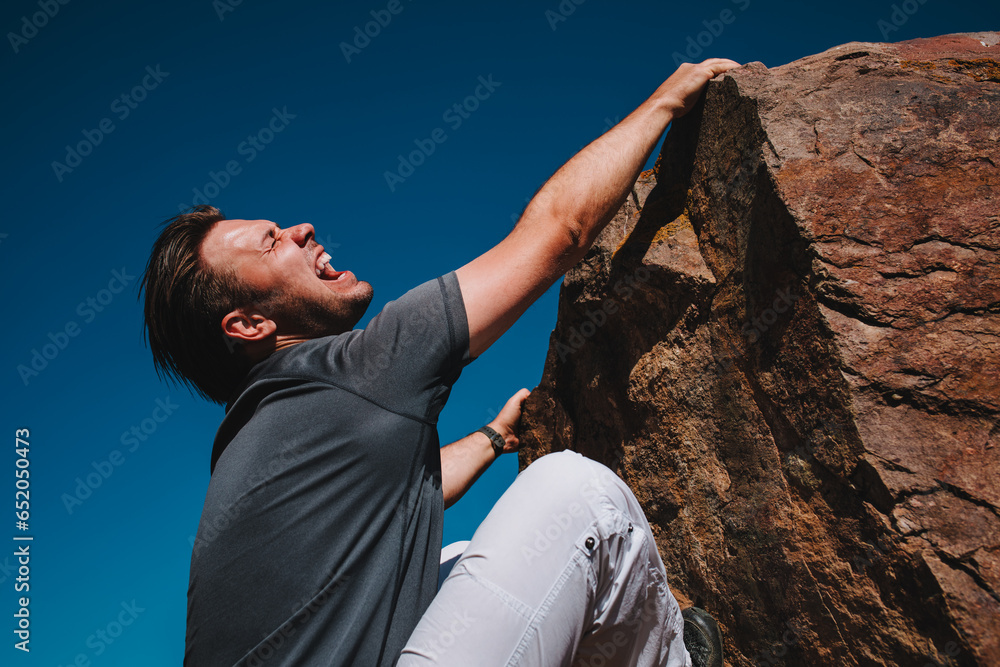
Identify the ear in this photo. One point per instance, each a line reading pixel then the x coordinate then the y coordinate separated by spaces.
pixel 248 326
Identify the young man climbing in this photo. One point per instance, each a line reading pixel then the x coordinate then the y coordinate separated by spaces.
pixel 320 537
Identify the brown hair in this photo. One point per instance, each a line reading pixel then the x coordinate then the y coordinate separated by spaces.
pixel 185 303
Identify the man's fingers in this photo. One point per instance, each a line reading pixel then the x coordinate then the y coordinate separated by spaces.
pixel 680 92
pixel 519 397
pixel 719 65
pixel 513 404
pixel 720 60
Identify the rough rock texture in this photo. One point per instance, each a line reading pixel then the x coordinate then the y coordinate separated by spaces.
pixel 788 344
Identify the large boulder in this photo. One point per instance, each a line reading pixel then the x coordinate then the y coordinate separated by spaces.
pixel 788 344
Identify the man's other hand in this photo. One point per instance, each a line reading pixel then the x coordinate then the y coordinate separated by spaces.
pixel 508 421
pixel 680 92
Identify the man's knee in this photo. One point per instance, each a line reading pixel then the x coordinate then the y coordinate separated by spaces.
pixel 568 464
pixel 575 476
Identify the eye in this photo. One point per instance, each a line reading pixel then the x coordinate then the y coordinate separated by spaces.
pixel 273 237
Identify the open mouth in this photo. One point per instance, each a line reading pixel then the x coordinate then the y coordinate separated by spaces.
pixel 326 272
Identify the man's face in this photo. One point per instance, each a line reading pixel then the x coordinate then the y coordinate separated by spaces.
pixel 310 301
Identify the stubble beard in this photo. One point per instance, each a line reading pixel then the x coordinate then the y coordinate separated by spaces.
pixel 312 317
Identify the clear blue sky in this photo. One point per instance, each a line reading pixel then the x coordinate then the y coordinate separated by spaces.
pixel 75 236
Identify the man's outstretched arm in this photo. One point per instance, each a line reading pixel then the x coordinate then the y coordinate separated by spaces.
pixel 564 218
pixel 463 461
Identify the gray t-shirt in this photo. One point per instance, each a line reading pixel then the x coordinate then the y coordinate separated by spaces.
pixel 321 533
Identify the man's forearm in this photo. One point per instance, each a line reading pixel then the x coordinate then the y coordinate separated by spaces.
pixel 587 191
pixel 462 462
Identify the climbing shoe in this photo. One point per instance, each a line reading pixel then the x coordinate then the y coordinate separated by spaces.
pixel 702 638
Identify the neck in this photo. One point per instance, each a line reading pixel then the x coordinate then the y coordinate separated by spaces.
pixel 262 349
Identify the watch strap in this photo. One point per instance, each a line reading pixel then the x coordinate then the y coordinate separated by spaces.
pixel 496 439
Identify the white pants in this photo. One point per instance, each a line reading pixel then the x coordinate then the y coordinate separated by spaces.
pixel 563 572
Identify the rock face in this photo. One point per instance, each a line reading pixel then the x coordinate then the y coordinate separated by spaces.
pixel 788 344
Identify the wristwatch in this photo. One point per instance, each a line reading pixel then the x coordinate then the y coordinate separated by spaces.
pixel 495 438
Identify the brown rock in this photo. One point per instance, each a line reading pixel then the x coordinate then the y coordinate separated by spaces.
pixel 788 344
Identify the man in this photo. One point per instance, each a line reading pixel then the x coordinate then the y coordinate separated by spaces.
pixel 320 538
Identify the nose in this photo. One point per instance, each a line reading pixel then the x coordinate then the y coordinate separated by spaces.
pixel 301 233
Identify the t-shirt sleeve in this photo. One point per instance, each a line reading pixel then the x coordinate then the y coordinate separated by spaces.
pixel 412 352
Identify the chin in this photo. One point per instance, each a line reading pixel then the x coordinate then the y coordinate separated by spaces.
pixel 317 316
pixel 363 293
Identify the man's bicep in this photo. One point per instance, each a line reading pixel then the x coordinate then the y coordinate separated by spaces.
pixel 499 285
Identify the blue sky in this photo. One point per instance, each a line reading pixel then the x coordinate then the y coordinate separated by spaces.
pixel 259 108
